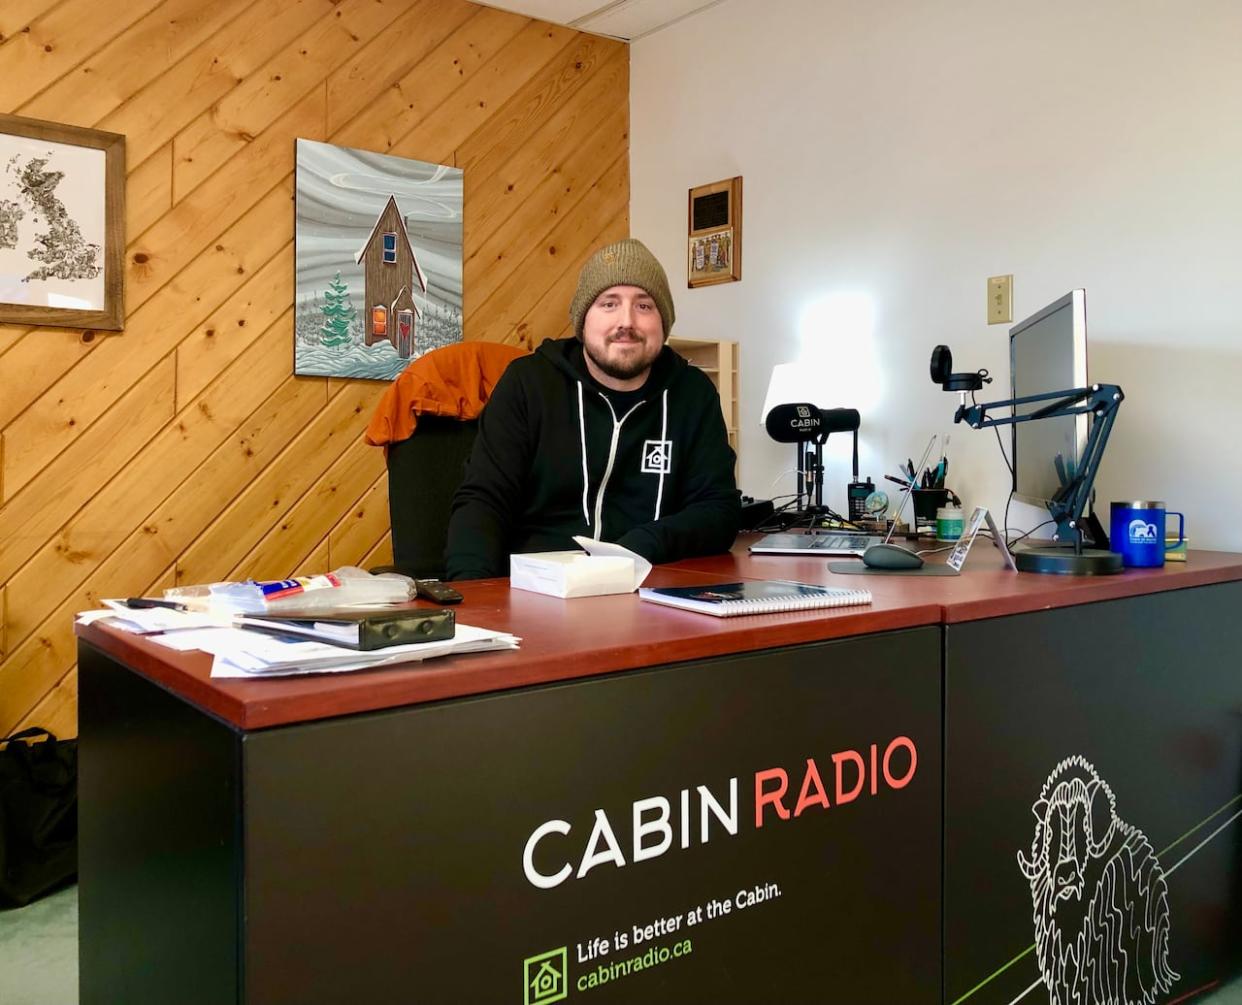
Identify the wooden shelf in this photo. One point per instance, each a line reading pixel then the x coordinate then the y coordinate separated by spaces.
pixel 718 359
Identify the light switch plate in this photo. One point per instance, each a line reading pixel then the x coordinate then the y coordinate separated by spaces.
pixel 1000 299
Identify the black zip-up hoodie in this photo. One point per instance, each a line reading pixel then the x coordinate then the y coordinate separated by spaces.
pixel 555 457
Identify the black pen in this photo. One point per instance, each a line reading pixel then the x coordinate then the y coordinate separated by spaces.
pixel 898 481
pixel 144 603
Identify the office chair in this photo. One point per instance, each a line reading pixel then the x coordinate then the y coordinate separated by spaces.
pixel 427 421
pixel 423 473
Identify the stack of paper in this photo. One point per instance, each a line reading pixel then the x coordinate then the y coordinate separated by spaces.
pixel 241 653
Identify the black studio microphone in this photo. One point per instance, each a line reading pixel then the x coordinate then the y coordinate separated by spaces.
pixel 799 423
pixel 840 420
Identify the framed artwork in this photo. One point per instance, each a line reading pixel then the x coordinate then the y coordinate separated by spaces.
pixel 377 245
pixel 62 225
pixel 715 233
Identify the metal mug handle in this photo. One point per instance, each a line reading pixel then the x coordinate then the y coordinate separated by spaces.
pixel 1181 530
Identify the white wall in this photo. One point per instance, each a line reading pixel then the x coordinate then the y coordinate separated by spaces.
pixel 895 153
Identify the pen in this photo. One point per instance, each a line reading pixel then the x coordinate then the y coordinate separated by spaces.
pixel 144 603
pixel 900 481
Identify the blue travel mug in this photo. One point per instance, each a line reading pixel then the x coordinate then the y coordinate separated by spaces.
pixel 1137 533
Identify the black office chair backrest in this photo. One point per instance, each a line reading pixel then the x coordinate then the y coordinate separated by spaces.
pixel 423 473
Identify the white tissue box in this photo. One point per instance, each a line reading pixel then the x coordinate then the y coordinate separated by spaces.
pixel 608 568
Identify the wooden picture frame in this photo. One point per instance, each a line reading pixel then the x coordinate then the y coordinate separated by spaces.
pixel 62 225
pixel 714 225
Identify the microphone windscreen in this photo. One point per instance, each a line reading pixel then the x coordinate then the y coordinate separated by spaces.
pixel 795 423
pixel 840 420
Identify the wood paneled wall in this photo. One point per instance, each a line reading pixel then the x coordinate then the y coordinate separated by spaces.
pixel 182 449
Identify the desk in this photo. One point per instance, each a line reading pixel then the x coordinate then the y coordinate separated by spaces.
pixel 362 838
pixel 1138 675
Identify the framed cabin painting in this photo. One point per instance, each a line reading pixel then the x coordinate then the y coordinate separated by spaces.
pixel 378 242
pixel 62 225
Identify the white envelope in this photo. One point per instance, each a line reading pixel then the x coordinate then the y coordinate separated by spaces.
pixel 606 568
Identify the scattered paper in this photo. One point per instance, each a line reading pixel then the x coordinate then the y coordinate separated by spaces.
pixel 240 653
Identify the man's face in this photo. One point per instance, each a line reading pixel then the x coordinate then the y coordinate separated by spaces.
pixel 622 335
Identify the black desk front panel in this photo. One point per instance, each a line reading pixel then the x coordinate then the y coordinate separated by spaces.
pixel 1146 693
pixel 159 860
pixel 385 852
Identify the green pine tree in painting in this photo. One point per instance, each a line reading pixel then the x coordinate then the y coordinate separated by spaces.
pixel 338 315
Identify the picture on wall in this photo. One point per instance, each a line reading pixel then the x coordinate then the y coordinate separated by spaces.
pixel 378 242
pixel 62 213
pixel 714 241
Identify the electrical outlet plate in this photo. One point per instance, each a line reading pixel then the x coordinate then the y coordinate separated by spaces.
pixel 1000 299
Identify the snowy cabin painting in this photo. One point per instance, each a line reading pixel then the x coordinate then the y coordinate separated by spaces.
pixel 391 269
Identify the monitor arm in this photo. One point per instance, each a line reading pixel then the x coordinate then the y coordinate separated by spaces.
pixel 1099 400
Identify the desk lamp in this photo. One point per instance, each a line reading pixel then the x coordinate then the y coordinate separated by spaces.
pixel 1098 400
pixel 791 414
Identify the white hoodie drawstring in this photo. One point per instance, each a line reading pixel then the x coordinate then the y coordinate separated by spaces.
pixel 586 512
pixel 665 451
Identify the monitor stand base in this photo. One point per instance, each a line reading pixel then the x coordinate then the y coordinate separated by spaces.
pixel 1066 562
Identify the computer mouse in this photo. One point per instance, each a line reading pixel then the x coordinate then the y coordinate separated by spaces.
pixel 891 556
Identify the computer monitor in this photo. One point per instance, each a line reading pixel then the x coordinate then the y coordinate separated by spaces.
pixel 1048 352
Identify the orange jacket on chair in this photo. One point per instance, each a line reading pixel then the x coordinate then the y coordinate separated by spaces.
pixel 454 381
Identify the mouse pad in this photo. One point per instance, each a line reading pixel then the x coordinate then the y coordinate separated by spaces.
pixel 858 569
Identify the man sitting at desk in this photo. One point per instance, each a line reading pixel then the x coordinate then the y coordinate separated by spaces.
pixel 609 434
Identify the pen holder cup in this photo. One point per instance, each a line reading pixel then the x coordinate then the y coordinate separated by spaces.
pixel 926 502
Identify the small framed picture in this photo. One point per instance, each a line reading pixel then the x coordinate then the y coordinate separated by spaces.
pixel 715 233
pixel 62 225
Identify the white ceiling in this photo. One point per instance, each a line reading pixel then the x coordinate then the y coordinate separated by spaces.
pixel 625 19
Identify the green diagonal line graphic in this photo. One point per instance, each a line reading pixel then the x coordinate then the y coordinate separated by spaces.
pixel 1031 948
pixel 991 977
pixel 1203 823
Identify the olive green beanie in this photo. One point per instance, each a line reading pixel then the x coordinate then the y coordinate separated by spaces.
pixel 624 263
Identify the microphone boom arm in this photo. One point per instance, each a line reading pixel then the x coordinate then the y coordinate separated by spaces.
pixel 1099 400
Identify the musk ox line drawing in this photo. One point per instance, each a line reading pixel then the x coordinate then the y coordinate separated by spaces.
pixel 1099 897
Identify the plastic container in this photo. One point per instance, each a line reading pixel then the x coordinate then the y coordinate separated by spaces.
pixel 348 586
pixel 949 523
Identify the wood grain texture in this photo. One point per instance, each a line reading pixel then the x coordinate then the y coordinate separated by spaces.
pixel 601 635
pixel 560 641
pixel 182 448
pixel 985 589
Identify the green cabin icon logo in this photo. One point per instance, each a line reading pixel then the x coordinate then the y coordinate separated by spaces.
pixel 545 977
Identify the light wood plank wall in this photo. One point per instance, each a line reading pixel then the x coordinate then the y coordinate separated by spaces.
pixel 182 449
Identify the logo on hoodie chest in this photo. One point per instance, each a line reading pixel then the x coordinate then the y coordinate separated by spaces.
pixel 657 457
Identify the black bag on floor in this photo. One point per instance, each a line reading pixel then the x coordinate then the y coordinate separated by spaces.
pixel 38 815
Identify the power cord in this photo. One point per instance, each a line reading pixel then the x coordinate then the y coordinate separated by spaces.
pixel 1030 532
pixel 1009 499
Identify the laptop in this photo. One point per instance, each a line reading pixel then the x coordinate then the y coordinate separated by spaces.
pixel 834 543
pixel 837 543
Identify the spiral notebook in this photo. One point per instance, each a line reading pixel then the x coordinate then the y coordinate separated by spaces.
pixel 724 600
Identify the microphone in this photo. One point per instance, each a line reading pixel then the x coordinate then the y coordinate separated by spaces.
pixel 840 420
pixel 797 423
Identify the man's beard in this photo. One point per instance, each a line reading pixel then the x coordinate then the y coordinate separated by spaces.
pixel 626 369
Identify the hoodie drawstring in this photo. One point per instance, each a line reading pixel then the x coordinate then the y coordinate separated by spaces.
pixel 666 452
pixel 586 512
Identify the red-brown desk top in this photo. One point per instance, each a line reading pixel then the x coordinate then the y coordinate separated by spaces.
pixel 561 640
pixel 985 589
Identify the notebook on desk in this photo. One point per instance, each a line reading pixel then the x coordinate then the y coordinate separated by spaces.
pixel 818 544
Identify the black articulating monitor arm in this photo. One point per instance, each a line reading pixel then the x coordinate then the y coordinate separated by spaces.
pixel 1098 400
